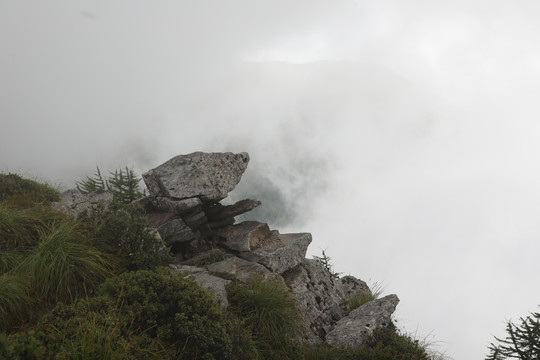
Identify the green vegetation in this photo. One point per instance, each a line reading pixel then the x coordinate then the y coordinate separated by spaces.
pixel 123 183
pixel 384 344
pixel 325 260
pixel 17 191
pixel 120 230
pixel 270 312
pixel 362 297
pixel 93 288
pixel 63 266
pixel 521 342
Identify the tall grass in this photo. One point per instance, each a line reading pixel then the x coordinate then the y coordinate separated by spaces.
pixel 62 265
pixel 269 310
pixel 19 228
pixel 22 192
pixel 15 300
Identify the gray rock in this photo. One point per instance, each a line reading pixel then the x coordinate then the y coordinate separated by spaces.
pixel 176 231
pixel 243 270
pixel 280 252
pixel 353 330
pixel 221 212
pixel 221 223
pixel 73 202
pixel 210 176
pixel 213 284
pixel 245 236
pixel 178 207
pixel 318 295
pixel 352 286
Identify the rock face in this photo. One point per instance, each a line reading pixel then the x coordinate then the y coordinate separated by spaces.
pixel 73 202
pixel 352 331
pixel 184 209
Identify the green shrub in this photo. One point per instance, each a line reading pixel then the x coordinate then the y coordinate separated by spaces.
pixel 21 192
pixel 389 344
pixel 269 311
pixel 62 265
pixel 15 300
pixel 122 230
pixel 174 310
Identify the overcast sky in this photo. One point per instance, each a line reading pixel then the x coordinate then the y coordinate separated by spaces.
pixel 402 134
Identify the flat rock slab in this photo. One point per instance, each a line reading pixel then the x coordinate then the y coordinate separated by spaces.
pixel 73 202
pixel 280 252
pixel 210 176
pixel 243 270
pixel 246 236
pixel 353 330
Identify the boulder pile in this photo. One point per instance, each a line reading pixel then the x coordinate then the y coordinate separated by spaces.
pixel 184 207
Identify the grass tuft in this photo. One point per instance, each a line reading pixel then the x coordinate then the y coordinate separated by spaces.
pixel 269 310
pixel 15 300
pixel 20 192
pixel 63 265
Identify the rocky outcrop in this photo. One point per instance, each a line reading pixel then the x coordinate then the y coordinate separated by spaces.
pixel 186 190
pixel 73 202
pixel 184 210
pixel 353 330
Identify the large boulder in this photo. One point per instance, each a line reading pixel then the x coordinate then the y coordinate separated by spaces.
pixel 352 331
pixel 318 295
pixel 215 285
pixel 209 176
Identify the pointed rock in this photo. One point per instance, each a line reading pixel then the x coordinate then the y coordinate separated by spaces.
pixel 280 252
pixel 210 176
pixel 245 236
pixel 353 330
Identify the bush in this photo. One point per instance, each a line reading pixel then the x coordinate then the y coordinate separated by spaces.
pixel 122 230
pixel 269 311
pixel 19 192
pixel 176 311
pixel 62 265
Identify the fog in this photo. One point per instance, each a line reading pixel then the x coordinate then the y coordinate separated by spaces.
pixel 402 135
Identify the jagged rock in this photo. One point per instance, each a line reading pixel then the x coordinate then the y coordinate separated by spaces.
pixel 245 236
pixel 213 284
pixel 73 202
pixel 178 207
pixel 353 330
pixel 318 295
pixel 280 252
pixel 352 286
pixel 243 270
pixel 209 176
pixel 176 231
pixel 221 212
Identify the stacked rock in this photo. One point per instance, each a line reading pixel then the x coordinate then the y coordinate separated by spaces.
pixel 185 191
